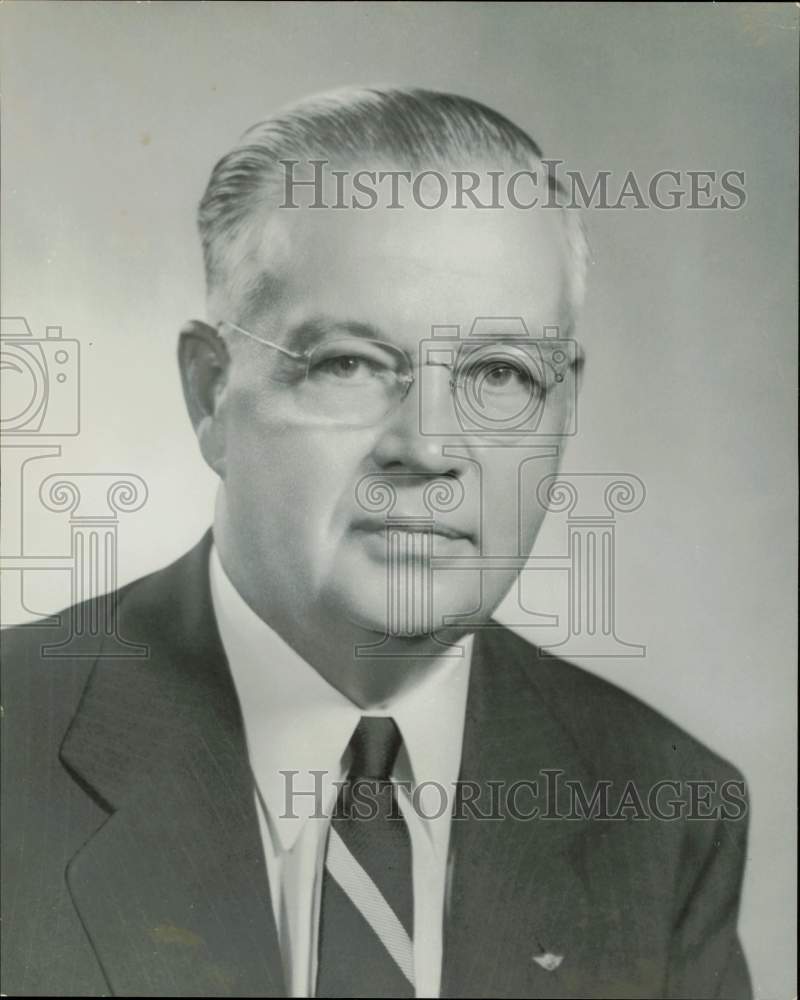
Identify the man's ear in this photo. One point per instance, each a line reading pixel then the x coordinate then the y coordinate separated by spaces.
pixel 203 359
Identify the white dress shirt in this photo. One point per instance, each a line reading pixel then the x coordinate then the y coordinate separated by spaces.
pixel 296 722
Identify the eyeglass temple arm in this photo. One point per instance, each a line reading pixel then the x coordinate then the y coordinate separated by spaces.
pixel 263 340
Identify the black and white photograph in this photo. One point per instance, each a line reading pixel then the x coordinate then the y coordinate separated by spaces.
pixel 399 499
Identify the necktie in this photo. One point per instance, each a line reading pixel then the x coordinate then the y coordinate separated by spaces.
pixel 366 915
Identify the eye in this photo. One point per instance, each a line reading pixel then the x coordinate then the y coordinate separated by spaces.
pixel 501 375
pixel 354 361
pixel 347 367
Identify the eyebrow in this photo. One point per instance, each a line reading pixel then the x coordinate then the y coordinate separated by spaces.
pixel 311 331
pixel 315 329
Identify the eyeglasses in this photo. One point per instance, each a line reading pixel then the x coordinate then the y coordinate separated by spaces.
pixel 359 381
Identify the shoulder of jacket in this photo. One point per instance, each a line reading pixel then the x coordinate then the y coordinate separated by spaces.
pixel 611 723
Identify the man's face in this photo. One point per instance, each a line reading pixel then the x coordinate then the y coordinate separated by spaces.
pixel 301 541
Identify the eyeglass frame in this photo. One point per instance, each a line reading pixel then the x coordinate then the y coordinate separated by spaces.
pixel 306 355
pixel 405 381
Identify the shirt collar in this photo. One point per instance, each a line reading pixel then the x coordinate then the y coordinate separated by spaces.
pixel 297 723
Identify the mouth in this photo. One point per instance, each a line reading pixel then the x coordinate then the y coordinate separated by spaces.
pixel 439 531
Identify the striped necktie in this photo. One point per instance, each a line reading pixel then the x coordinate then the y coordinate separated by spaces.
pixel 366 929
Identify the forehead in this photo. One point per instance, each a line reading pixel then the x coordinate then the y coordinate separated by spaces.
pixel 404 270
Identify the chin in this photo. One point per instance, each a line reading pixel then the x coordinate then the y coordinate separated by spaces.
pixel 368 606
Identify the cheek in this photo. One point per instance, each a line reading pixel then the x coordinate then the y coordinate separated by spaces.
pixel 559 405
pixel 532 513
pixel 288 480
pixel 509 503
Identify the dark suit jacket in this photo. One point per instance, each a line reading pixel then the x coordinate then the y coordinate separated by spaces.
pixel 133 864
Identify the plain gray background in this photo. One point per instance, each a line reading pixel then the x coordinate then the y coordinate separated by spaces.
pixel 113 115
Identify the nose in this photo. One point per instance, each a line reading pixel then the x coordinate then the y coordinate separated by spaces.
pixel 412 439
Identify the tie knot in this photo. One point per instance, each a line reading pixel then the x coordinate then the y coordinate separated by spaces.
pixel 374 745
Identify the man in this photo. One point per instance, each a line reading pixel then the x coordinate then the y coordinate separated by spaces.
pixel 193 823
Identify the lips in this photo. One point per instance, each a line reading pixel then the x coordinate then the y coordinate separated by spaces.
pixel 406 523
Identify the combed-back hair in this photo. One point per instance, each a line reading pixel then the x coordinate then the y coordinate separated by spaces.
pixel 414 128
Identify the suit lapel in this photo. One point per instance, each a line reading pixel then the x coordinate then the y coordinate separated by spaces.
pixel 519 890
pixel 172 888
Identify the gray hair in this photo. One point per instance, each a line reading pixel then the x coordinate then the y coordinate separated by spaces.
pixel 411 126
